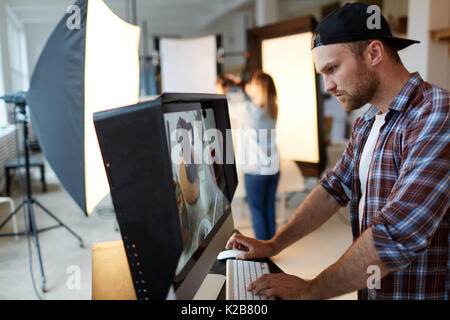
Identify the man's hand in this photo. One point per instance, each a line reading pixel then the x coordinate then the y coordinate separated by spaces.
pixel 257 249
pixel 281 285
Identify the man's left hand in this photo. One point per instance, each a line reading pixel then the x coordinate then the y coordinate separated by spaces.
pixel 281 285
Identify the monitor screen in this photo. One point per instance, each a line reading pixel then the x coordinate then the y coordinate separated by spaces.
pixel 195 150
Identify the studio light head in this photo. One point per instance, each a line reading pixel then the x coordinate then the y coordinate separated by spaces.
pixel 18 98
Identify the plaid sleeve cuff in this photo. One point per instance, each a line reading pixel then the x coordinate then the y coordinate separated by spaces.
pixel 331 183
pixel 393 254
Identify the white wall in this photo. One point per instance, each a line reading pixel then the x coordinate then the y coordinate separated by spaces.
pixel 3 113
pixel 415 56
pixel 266 12
pixel 294 8
pixel 4 57
pixel 232 29
pixel 439 55
pixel 429 58
pixel 396 8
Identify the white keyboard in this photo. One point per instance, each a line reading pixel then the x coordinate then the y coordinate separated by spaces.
pixel 240 273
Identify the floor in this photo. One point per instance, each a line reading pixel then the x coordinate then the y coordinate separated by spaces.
pixel 62 255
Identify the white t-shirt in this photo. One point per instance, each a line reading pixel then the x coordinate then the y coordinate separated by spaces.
pixel 366 159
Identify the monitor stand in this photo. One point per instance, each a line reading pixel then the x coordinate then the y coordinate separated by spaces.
pixel 210 287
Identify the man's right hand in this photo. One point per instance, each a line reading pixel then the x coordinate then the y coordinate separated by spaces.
pixel 256 249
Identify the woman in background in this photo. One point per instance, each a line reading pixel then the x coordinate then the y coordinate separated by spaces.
pixel 256 110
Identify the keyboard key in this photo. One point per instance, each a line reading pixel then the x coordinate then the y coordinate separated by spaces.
pixel 236 281
pixel 241 274
pixel 247 280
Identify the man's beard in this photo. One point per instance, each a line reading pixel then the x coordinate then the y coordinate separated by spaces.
pixel 367 86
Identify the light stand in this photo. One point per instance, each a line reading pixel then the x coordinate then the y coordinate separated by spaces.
pixel 29 201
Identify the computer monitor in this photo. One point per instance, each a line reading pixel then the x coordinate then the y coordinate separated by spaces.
pixel 171 171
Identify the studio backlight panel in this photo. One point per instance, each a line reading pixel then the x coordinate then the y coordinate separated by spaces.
pixel 289 61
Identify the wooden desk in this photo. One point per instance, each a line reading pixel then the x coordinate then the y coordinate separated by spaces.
pixel 111 277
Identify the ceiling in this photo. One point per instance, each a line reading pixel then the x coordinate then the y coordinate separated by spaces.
pixel 164 15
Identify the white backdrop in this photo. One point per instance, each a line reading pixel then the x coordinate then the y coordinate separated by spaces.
pixel 188 65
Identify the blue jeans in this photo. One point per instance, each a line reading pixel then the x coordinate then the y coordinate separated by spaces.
pixel 261 192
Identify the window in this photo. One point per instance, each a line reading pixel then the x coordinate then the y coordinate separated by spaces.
pixel 17 53
pixel 3 110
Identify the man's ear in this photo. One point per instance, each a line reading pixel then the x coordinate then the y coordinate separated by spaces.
pixel 375 52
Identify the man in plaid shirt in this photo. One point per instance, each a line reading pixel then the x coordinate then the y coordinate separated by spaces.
pixel 394 173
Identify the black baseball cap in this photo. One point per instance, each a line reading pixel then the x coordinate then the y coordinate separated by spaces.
pixel 356 22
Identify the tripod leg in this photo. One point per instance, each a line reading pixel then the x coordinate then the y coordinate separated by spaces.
pixel 59 221
pixel 35 234
pixel 12 214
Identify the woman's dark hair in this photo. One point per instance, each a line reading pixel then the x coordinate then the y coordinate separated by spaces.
pixel 270 104
pixel 226 82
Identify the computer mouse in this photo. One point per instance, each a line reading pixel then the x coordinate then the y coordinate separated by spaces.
pixel 229 254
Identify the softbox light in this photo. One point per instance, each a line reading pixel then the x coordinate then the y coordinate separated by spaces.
pixel 90 63
pixel 289 60
pixel 283 50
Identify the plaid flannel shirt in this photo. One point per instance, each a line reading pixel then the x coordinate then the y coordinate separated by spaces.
pixel 407 195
